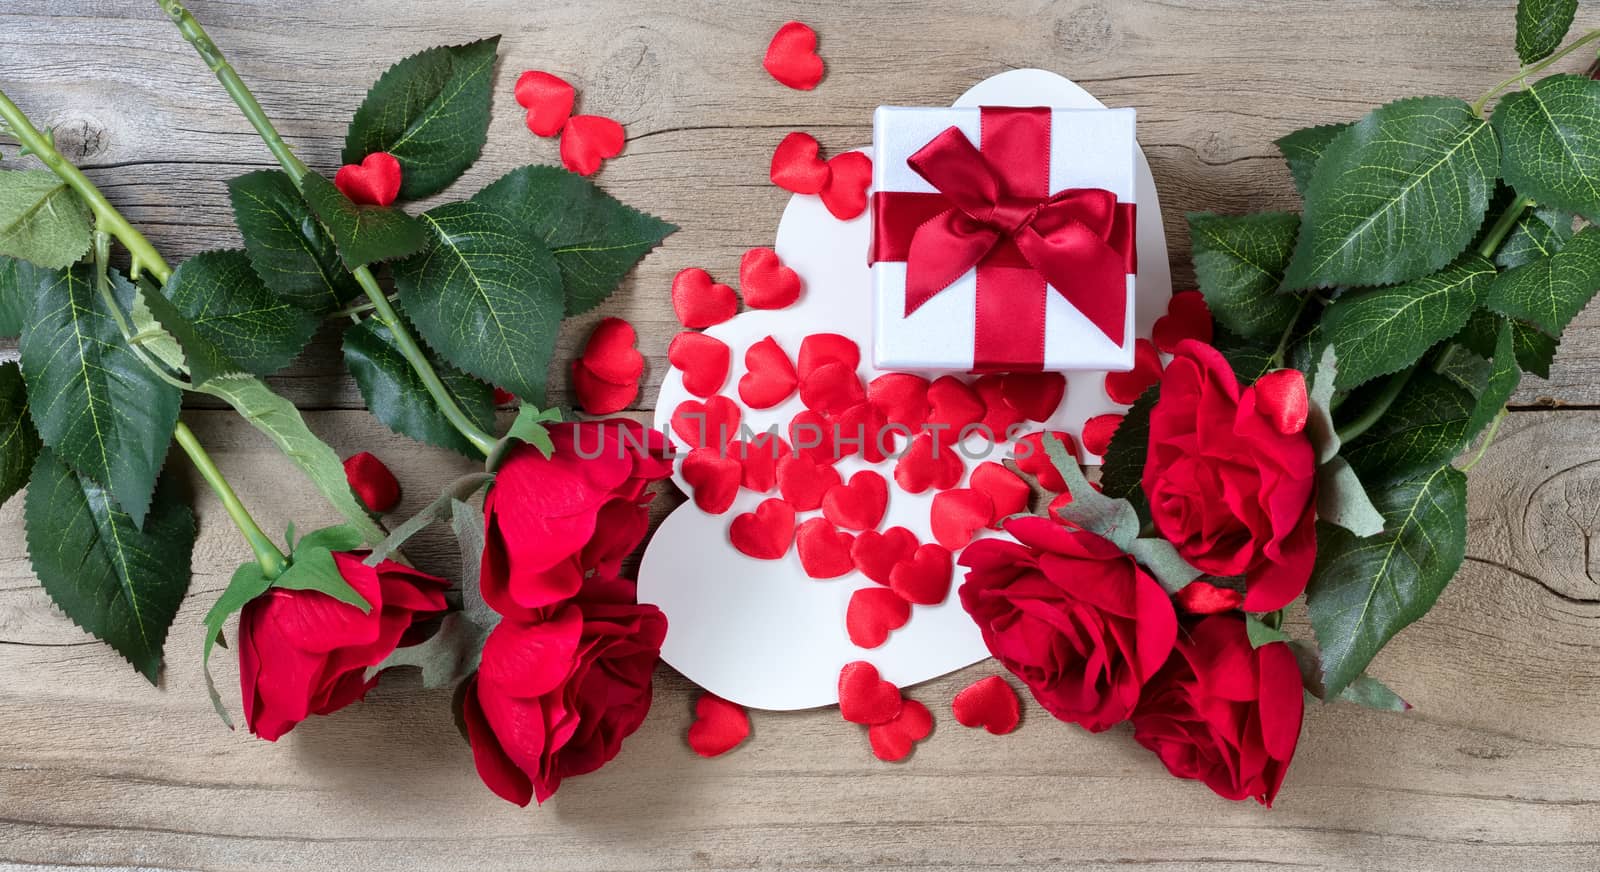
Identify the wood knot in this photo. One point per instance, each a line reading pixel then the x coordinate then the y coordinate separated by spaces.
pixel 629 75
pixel 80 138
pixel 1088 28
pixel 1561 526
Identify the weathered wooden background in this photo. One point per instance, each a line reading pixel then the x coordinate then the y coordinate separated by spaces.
pixel 1497 768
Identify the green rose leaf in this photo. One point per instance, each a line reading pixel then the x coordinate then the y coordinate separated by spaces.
pixel 1541 26
pixel 1383 330
pixel 1504 373
pixel 364 234
pixel 1535 350
pixel 396 396
pixel 1427 425
pixel 487 296
pixel 1239 262
pixel 313 568
pixel 1397 196
pixel 41 219
pixel 94 403
pixel 596 239
pixel 1550 140
pixel 17 281
pixel 226 302
pixel 1303 148
pixel 1123 465
pixel 1538 233
pixel 1260 634
pixel 19 444
pixel 1363 591
pixel 431 111
pixel 181 346
pixel 1371 693
pixel 289 249
pixel 120 581
pixel 1551 291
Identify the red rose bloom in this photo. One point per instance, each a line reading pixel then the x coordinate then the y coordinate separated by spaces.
pixel 552 522
pixel 1072 616
pixel 1226 485
pixel 555 697
pixel 1224 713
pixel 302 652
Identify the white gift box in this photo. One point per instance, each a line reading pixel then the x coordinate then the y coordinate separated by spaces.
pixel 1081 149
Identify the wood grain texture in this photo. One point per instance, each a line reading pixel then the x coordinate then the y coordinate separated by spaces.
pixel 1495 769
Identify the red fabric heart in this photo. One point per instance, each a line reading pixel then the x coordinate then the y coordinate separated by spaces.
pixel 766 282
pixel 759 460
pixel 893 741
pixel 953 406
pixel 1281 399
pixel 862 429
pixel 803 482
pixel 611 354
pixel 824 550
pixel 719 726
pixel 864 697
pixel 1005 490
pixel 503 397
pixel 874 613
pixel 1204 598
pixel 714 477
pixel 1188 317
pixel 923 579
pixel 796 166
pixel 703 360
pixel 769 377
pixel 902 398
pixel 990 703
pixel 849 175
pixel 930 462
pixel 820 349
pixel 792 57
pixel 1031 458
pixel 1097 433
pixel 598 396
pixel 831 389
pixel 700 302
pixel 1036 395
pixel 814 436
pixel 1125 387
pixel 876 554
pixel 373 182
pixel 588 141
pixel 374 484
pixel 765 533
pixel 714 422
pixel 998 415
pixel 958 514
pixel 548 100
pixel 858 505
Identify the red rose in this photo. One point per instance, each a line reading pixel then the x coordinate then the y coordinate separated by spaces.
pixel 555 697
pixel 552 522
pixel 1226 485
pixel 302 652
pixel 1072 616
pixel 1223 713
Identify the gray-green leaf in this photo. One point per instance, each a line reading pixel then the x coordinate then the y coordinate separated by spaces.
pixel 364 234
pixel 1550 140
pixel 1343 502
pixel 226 302
pixel 1541 26
pixel 1108 517
pixel 396 396
pixel 41 219
pixel 1303 148
pixel 19 444
pixel 1239 262
pixel 1551 291
pixel 246 584
pixel 289 249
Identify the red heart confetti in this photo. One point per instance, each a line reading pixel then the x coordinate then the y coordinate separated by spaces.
pixel 1204 598
pixel 849 175
pixel 1036 395
pixel 858 505
pixel 930 462
pixel 990 703
pixel 814 436
pixel 792 56
pixel 719 726
pixel 861 428
pixel 598 396
pixel 758 458
pixel 1005 490
pixel 894 740
pixel 876 554
pixel 998 416
pixel 588 141
pixel 803 482
pixel 924 579
pixel 700 302
pixel 1097 433
pixel 769 377
pixel 1188 317
pixel 766 282
pixel 714 477
pixel 902 398
pixel 820 349
pixel 765 533
pixel 1031 458
pixel 864 697
pixel 703 360
pixel 1125 387
pixel 874 613
pixel 958 514
pixel 796 166
pixel 374 484
pixel 953 406
pixel 503 397
pixel 373 182
pixel 714 422
pixel 831 389
pixel 611 354
pixel 548 100
pixel 824 550
pixel 1281 399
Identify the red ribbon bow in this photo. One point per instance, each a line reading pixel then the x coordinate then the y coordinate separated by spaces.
pixel 994 211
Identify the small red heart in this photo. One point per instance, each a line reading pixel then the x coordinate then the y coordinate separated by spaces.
pixel 930 462
pixel 796 166
pixel 874 613
pixel 814 436
pixel 1281 398
pixel 831 389
pixel 958 514
pixel 1036 395
pixel 374 484
pixel 1204 598
pixel 765 533
pixel 864 697
pixel 820 349
pixel 901 397
pixel 792 56
pixel 1125 387
pixel 719 726
pixel 588 141
pixel 1031 458
pixel 953 406
pixel 845 194
pixel 990 703
pixel 503 397
pixel 998 415
pixel 717 418
pixel 703 360
pixel 862 429
pixel 923 579
pixel 1097 433
pixel 759 458
pixel 769 377
pixel 596 395
pixel 700 302
pixel 1009 493
pixel 373 182
pixel 858 505
pixel 803 482
pixel 714 477
pixel 766 282
pixel 876 554
pixel 1188 317
pixel 893 741
pixel 548 100
pixel 824 550
pixel 611 352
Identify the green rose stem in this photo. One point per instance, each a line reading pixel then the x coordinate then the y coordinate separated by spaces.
pixel 110 223
pixel 1479 104
pixel 296 169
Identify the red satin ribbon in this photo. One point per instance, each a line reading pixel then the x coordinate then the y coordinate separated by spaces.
pixel 994 211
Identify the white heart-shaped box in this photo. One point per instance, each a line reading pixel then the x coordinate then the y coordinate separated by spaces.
pixel 761 633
